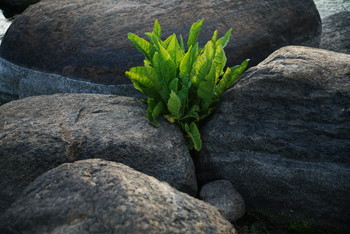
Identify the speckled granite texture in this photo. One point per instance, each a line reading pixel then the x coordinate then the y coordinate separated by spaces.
pixel 330 7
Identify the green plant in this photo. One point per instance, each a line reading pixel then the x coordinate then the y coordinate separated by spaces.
pixel 183 85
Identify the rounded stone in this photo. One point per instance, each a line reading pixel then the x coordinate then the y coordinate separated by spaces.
pixel 40 133
pixel 87 39
pixel 98 196
pixel 225 197
pixel 281 135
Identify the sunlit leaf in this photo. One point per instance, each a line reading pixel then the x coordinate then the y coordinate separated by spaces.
pixel 157 30
pixel 194 32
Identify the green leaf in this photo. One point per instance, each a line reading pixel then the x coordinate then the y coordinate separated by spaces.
pixel 141 82
pixel 154 109
pixel 221 87
pixel 219 61
pixel 211 76
pixel 142 45
pixel 203 64
pixel 192 113
pixel 173 86
pixel 168 40
pixel 157 30
pixel 174 105
pixel 155 40
pixel 185 64
pixel 158 84
pixel 158 110
pixel 194 134
pixel 223 41
pixel 183 93
pixel 205 92
pixel 182 45
pixel 167 66
pixel 160 78
pixel 215 36
pixel 175 51
pixel 230 77
pixel 170 118
pixel 194 32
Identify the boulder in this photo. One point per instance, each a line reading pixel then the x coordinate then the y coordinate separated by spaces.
pixel 87 39
pixel 224 196
pixel 98 196
pixel 18 82
pixel 281 135
pixel 336 32
pixel 40 133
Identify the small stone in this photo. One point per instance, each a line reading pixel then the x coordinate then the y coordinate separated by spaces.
pixel 225 197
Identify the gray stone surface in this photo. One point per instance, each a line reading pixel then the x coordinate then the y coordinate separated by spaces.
pixel 97 196
pixel 224 196
pixel 281 135
pixel 330 7
pixel 20 82
pixel 40 133
pixel 87 39
pixel 336 32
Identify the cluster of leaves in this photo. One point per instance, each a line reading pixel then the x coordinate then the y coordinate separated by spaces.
pixel 183 85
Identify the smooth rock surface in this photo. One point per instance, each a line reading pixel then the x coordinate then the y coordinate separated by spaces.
pixel 336 32
pixel 18 82
pixel 282 137
pixel 97 196
pixel 224 196
pixel 40 133
pixel 87 39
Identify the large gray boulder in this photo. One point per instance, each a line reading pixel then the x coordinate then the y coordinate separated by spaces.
pixel 282 137
pixel 97 196
pixel 87 39
pixel 336 32
pixel 40 133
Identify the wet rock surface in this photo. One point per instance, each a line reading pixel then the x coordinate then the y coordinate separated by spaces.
pixel 86 40
pixel 281 136
pixel 40 133
pixel 97 196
